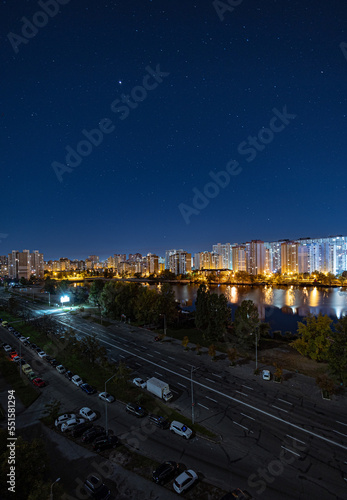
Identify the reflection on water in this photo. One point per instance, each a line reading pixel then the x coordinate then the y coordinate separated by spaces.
pixel 275 304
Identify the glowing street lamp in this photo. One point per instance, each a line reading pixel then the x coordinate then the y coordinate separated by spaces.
pixel 64 299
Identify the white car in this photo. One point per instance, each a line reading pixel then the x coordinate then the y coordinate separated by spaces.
pixel 87 413
pixel 7 348
pixel 70 424
pixel 41 354
pixel 60 369
pixel 180 429
pixel 140 383
pixel 184 481
pixel 64 418
pixel 105 396
pixel 76 379
pixel 266 375
pixel 23 339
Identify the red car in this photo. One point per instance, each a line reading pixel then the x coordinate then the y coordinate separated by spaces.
pixel 13 354
pixel 39 382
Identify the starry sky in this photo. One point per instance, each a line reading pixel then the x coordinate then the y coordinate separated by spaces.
pixel 162 99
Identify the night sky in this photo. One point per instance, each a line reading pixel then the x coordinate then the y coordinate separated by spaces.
pixel 219 79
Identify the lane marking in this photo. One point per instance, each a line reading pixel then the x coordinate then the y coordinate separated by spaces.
pixel 295 439
pixel 211 399
pixel 173 390
pixel 240 425
pixel 163 361
pixel 291 451
pixel 284 401
pixel 215 374
pixel 183 369
pixel 178 383
pixel 342 423
pixel 213 381
pixel 203 406
pixel 242 393
pixel 157 352
pixel 160 374
pixel 143 347
pixel 172 358
pixel 247 387
pixel 244 414
pixel 278 408
pixel 150 355
pixel 216 391
pixel 337 432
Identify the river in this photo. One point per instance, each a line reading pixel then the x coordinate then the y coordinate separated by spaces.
pixel 282 307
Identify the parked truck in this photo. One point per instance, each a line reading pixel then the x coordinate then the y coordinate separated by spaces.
pixel 159 389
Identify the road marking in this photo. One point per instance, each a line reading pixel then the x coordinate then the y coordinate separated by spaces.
pixel 172 358
pixel 247 387
pixel 244 414
pixel 278 408
pixel 138 364
pixel 143 347
pixel 295 439
pixel 243 427
pixel 342 423
pixel 183 369
pixel 284 401
pixel 173 390
pixel 157 352
pixel 216 391
pixel 160 374
pixel 243 394
pixel 203 406
pixel 121 356
pixel 211 399
pixel 136 349
pixel 213 381
pixel 150 355
pixel 178 383
pixel 163 361
pixel 291 451
pixel 122 338
pixel 337 432
pixel 215 374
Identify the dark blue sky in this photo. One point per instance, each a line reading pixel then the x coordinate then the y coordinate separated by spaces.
pixel 227 80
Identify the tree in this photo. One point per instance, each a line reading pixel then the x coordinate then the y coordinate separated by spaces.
pixel 326 384
pixel 185 343
pixel 337 354
pixel 91 348
pixel 202 308
pixel 232 355
pixel 246 323
pixel 218 316
pixel 166 303
pixel 50 285
pixel 212 352
pixel 314 337
pixel 147 306
pixel 95 292
pixel 198 349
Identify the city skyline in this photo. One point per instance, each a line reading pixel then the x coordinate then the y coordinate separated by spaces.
pixel 151 122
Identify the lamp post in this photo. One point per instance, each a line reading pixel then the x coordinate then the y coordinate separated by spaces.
pixel 51 495
pixel 193 369
pixel 106 424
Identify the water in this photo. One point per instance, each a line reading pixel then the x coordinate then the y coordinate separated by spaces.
pixel 282 307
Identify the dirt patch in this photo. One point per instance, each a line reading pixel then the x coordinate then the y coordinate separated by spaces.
pixel 287 358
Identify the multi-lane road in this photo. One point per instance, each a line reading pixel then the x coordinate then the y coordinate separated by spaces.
pixel 272 442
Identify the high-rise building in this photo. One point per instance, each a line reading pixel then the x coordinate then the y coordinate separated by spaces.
pixel 256 257
pixel 24 264
pixel 290 257
pixel 180 262
pixel 152 263
pixel 239 258
pixel 224 250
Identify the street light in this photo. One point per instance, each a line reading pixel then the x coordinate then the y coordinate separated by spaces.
pixel 51 495
pixel 106 426
pixel 193 369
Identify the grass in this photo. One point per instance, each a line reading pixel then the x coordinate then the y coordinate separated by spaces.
pixel 22 387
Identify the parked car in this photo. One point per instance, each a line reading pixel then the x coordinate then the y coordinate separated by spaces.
pixel 88 388
pixel 39 382
pixel 136 410
pixel 87 414
pixel 105 396
pixel 139 382
pixel 181 429
pixel 93 433
pixel 96 488
pixel 41 354
pixel 70 424
pixel 7 348
pixel 31 375
pixel 160 422
pixel 54 363
pixel 68 374
pixel 184 481
pixel 77 380
pixel 165 471
pixel 60 369
pixel 16 359
pixel 63 418
pixel 48 358
pixel 102 443
pixel 266 375
pixel 13 354
pixel 81 428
